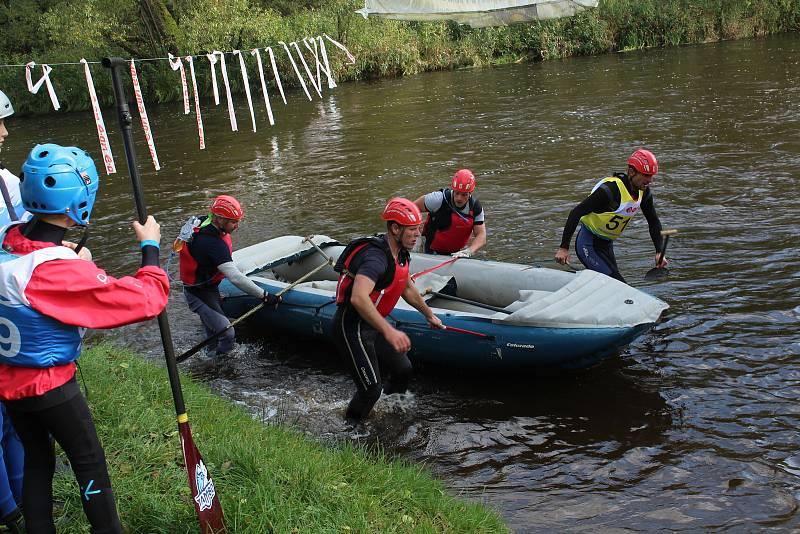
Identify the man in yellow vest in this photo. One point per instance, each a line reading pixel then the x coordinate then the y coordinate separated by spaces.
pixel 606 212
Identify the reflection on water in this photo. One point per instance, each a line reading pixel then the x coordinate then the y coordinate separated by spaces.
pixel 692 428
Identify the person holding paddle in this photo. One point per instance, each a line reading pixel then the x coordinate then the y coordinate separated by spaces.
pixel 204 261
pixel 374 274
pixel 455 217
pixel 50 295
pixel 606 212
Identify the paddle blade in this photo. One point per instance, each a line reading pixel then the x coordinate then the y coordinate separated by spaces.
pixel 657 274
pixel 204 495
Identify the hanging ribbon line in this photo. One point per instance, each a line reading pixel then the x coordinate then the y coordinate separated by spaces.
pixel 255 52
pixel 102 133
pixel 327 68
pixel 296 70
pixel 224 69
pixel 177 64
pixel 305 66
pixel 148 133
pixel 212 60
pixel 246 82
pixel 275 72
pixel 315 52
pixel 341 47
pixel 45 79
pixel 200 133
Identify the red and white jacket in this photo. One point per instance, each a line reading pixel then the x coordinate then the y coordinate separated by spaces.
pixel 79 294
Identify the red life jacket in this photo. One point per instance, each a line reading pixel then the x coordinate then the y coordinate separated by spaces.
pixel 189 267
pixel 447 231
pixel 388 289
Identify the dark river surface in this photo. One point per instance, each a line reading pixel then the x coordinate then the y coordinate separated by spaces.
pixel 694 427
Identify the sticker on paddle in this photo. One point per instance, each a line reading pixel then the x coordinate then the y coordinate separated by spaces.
pixel 204 494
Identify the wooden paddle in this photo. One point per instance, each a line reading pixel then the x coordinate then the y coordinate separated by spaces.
pixel 660 273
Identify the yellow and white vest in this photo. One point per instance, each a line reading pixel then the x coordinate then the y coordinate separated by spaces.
pixel 609 225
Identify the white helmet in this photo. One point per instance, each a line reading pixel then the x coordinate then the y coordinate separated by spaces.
pixel 6 109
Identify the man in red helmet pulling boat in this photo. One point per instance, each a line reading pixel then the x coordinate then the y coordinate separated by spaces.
pixel 205 260
pixel 606 212
pixel 374 274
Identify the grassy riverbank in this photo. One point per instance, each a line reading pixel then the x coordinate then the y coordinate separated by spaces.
pixel 270 478
pixel 37 30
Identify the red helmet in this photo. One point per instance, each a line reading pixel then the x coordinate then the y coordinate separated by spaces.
pixel 228 207
pixel 464 181
pixel 402 211
pixel 644 161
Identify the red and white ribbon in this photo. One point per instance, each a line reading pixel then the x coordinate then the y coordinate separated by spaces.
pixel 200 132
pixel 177 64
pixel 314 84
pixel 246 82
pixel 296 70
pixel 327 68
pixel 148 133
pixel 257 53
pixel 102 133
pixel 212 60
pixel 45 79
pixel 342 47
pixel 277 75
pixel 224 69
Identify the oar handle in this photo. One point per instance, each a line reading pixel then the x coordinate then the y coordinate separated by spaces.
pixel 666 234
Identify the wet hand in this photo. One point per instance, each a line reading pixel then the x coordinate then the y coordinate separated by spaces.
pixel 149 231
pixel 271 300
pixel 562 256
pixel 435 322
pixel 84 253
pixel 664 262
pixel 463 253
pixel 398 340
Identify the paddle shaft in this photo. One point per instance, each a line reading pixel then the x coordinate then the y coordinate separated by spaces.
pixel 663 251
pixel 194 350
pixel 466 301
pixel 210 517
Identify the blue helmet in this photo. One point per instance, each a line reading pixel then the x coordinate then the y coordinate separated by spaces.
pixel 59 179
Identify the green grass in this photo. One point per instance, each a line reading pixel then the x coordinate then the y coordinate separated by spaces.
pixel 383 48
pixel 270 478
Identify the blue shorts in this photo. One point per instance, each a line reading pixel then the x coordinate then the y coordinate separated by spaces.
pixel 597 253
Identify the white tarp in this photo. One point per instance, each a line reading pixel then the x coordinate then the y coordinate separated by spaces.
pixel 476 13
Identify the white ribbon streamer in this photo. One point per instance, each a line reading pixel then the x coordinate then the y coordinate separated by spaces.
pixel 177 64
pixel 200 132
pixel 275 72
pixel 296 70
pixel 224 69
pixel 305 66
pixel 148 133
pixel 341 46
pixel 246 82
pixel 257 53
pixel 315 52
pixel 45 79
pixel 212 59
pixel 102 133
pixel 327 68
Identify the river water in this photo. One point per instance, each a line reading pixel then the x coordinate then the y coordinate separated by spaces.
pixel 692 428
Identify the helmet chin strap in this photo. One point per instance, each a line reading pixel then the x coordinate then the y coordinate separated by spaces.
pixel 83 240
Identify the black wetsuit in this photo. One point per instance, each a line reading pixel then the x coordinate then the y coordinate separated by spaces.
pixel 363 348
pixel 595 252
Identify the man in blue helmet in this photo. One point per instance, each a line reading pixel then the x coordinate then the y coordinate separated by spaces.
pixel 11 206
pixel 48 296
pixel 11 454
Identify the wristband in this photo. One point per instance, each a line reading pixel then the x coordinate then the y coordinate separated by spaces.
pixel 149 242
